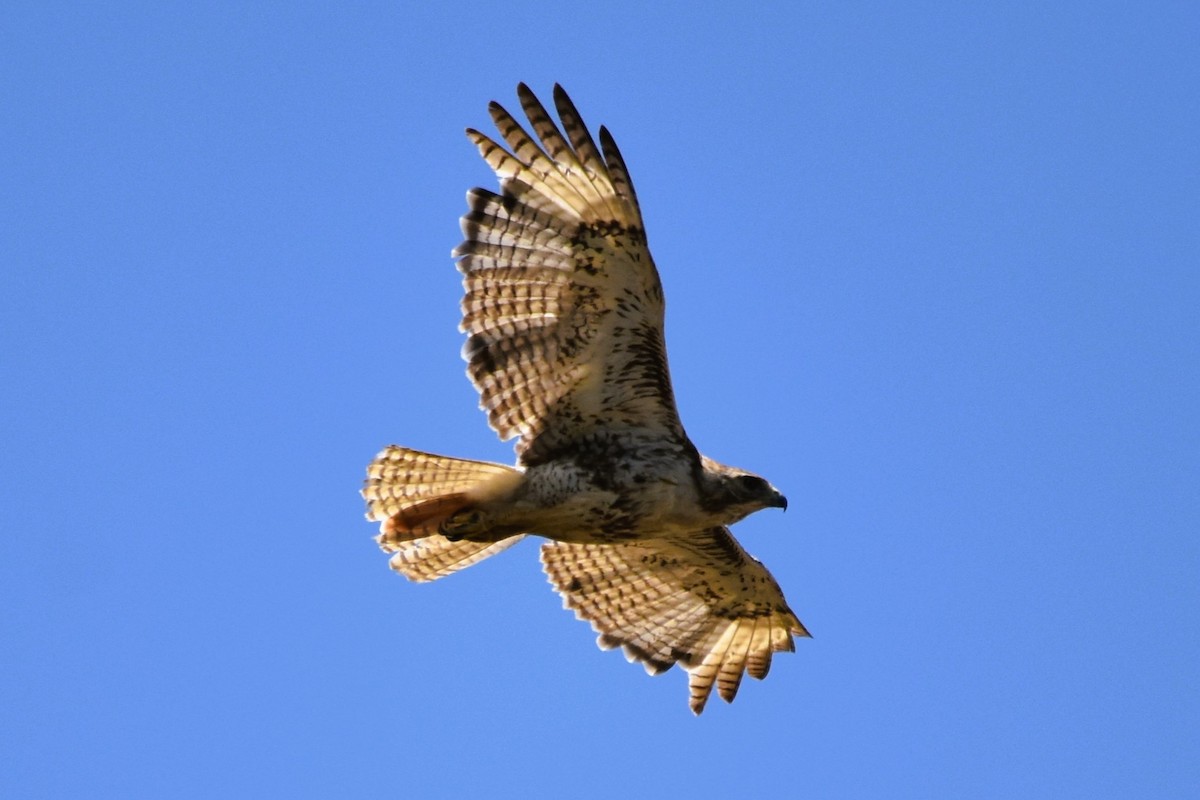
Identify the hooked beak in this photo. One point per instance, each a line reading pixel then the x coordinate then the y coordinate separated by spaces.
pixel 778 501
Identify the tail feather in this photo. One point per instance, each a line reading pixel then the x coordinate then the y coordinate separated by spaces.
pixel 436 556
pixel 411 494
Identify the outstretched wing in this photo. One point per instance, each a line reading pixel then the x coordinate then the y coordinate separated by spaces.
pixel 697 599
pixel 563 305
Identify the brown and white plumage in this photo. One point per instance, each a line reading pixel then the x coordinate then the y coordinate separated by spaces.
pixel 563 306
pixel 563 313
pixel 699 600
pixel 408 493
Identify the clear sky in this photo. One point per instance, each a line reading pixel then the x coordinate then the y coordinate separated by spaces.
pixel 931 268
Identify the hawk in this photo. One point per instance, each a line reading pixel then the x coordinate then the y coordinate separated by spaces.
pixel 563 313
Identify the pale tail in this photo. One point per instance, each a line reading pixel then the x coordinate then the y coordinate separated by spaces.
pixel 411 493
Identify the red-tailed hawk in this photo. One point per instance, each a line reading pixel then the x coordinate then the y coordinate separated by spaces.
pixel 564 316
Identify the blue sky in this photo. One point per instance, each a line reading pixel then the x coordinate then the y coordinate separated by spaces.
pixel 931 269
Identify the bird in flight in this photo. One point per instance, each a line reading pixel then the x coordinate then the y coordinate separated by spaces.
pixel 563 313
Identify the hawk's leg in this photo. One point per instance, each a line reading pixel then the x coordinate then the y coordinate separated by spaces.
pixel 462 524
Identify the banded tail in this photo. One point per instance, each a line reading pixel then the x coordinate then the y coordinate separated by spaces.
pixel 411 494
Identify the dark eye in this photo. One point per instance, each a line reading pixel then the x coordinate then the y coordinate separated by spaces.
pixel 751 484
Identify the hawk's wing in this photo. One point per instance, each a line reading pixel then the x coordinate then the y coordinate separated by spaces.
pixel 563 305
pixel 697 599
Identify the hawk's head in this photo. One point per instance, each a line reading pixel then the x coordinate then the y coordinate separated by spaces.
pixel 735 493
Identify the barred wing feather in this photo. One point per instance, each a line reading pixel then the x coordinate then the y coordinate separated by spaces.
pixel 698 600
pixel 563 305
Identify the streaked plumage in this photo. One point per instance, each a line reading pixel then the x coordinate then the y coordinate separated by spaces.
pixel 563 313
